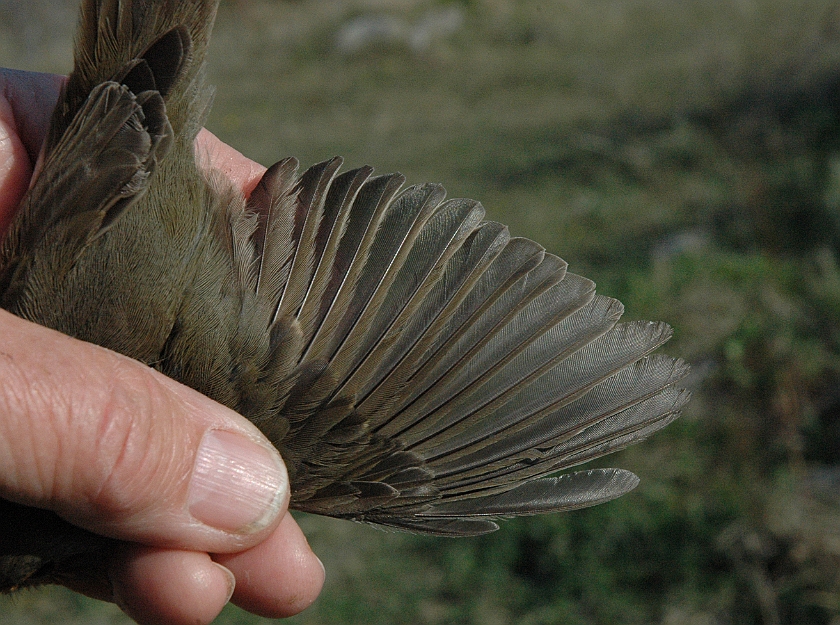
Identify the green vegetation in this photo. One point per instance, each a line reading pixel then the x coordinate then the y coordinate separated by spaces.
pixel 685 155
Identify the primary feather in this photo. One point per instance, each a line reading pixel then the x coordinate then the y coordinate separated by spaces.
pixel 416 366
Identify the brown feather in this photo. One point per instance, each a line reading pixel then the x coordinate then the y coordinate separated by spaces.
pixel 416 366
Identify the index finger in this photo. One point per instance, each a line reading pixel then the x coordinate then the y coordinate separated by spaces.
pixel 211 152
pixel 27 100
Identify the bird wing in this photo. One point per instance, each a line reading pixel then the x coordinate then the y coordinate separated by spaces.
pixel 430 371
pixel 100 166
pixel 416 365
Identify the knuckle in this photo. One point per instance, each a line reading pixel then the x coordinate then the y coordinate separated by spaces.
pixel 96 437
pixel 27 421
pixel 133 424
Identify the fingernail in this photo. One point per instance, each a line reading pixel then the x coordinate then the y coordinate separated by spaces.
pixel 230 579
pixel 237 485
pixel 323 568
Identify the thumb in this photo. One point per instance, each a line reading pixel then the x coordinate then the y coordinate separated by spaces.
pixel 119 449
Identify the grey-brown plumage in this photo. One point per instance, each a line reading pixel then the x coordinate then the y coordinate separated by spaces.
pixel 416 366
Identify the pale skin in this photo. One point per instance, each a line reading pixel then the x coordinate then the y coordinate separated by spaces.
pixel 58 395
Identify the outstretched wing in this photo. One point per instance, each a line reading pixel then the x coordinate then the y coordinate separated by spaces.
pixel 427 371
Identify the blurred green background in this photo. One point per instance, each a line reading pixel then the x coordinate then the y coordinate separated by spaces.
pixel 686 156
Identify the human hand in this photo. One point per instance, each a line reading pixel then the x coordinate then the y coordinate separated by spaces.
pixel 119 449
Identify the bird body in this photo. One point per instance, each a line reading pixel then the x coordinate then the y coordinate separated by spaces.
pixel 416 366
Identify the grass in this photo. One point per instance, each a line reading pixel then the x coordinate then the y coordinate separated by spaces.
pixel 684 155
